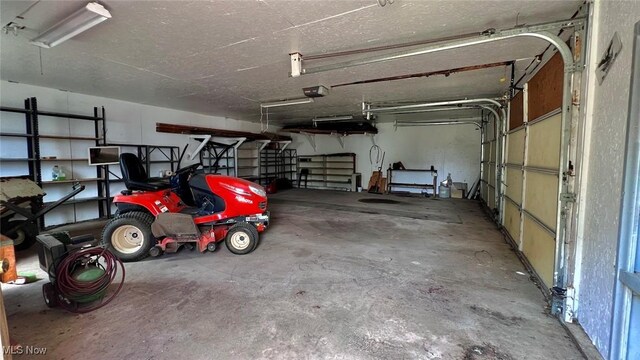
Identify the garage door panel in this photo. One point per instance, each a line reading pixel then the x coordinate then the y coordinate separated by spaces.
pixel 538 245
pixel 492 152
pixel 486 151
pixel 541 196
pixel 515 147
pixel 512 220
pixel 544 143
pixel 514 184
pixel 486 170
pixel 491 198
pixel 492 174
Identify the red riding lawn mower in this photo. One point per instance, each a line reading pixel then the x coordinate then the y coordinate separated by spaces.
pixel 156 216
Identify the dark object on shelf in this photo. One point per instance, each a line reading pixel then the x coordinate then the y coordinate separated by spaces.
pixel 283 184
pixel 400 166
pixel 271 188
pixel 303 173
pixel 28 204
pixel 278 185
pixel 328 128
pixel 79 270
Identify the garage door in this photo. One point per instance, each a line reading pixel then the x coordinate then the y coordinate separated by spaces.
pixel 532 168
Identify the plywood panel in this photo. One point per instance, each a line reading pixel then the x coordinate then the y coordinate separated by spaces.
pixel 514 184
pixel 544 143
pixel 545 88
pixel 512 220
pixel 538 246
pixel 541 196
pixel 516 111
pixel 515 147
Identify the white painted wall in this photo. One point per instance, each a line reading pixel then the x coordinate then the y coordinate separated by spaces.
pixel 451 149
pixel 126 123
pixel 604 155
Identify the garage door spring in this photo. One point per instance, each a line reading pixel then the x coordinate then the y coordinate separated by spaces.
pixel 75 291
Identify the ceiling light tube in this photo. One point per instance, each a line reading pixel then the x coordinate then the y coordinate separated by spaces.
pixel 334 118
pixel 287 102
pixel 85 18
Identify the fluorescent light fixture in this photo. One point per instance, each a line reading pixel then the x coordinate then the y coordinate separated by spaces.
pixel 333 118
pixel 87 17
pixel 287 102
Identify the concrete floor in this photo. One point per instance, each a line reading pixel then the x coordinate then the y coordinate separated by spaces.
pixel 333 278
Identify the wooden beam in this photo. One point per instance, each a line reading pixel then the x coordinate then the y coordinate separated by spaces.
pixel 199 130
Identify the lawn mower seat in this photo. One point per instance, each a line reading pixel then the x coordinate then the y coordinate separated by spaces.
pixel 136 178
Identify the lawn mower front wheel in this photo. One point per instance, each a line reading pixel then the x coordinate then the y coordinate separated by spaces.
pixel 242 238
pixel 128 236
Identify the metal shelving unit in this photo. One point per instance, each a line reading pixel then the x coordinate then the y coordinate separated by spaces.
pixel 278 163
pixel 329 171
pixel 420 180
pixel 35 139
pixel 218 159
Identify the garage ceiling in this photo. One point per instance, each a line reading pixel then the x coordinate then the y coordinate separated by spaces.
pixel 226 57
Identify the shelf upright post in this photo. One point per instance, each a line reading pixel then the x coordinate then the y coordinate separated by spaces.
pixel 33 148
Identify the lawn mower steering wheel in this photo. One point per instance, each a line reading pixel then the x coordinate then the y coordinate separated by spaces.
pixel 191 168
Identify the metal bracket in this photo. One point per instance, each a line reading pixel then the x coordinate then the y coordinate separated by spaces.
pixel 340 139
pixel 372 137
pixel 571 68
pixel 311 138
pixel 284 145
pixel 568 197
pixel 262 144
pixel 204 140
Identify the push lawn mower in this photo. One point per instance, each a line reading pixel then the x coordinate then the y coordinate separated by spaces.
pixel 156 216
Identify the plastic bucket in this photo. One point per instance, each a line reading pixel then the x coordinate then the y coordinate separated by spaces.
pixel 444 192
